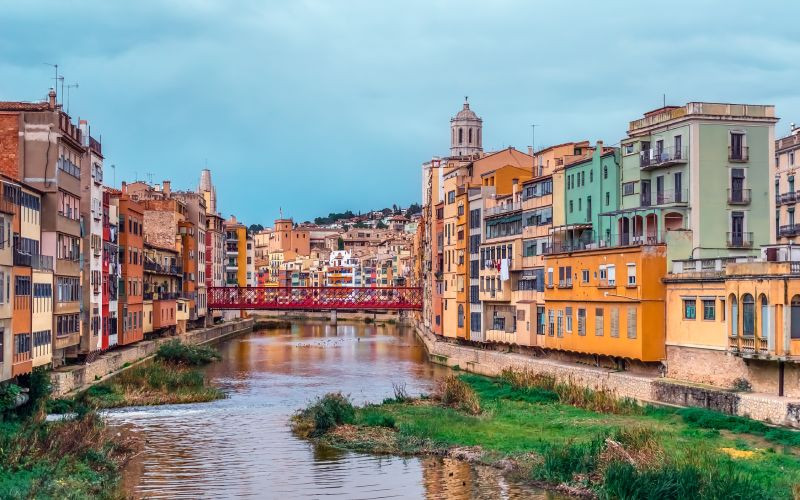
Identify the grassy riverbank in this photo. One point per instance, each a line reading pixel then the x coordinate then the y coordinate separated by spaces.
pixel 172 377
pixel 562 436
pixel 78 458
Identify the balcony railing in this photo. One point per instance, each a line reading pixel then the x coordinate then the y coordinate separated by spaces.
pixel 748 345
pixel 502 209
pixel 740 239
pixel 789 230
pixel 651 158
pixel 672 196
pixel 36 261
pixel 777 199
pixel 788 198
pixel 740 154
pixel 738 196
pixel 155 267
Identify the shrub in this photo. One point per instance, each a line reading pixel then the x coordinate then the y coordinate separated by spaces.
pixel 372 418
pixel 741 384
pixel 324 414
pixel 8 397
pixel 527 379
pixel 175 351
pixel 454 392
pixel 400 393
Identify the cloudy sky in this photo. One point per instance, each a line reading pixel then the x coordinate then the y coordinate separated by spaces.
pixel 319 106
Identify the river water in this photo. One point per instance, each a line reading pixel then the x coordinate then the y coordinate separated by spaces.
pixel 242 446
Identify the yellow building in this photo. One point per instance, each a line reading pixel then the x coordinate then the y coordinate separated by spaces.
pixel 598 302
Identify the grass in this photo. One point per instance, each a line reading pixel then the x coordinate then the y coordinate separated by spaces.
pixel 153 383
pixel 176 352
pixel 612 449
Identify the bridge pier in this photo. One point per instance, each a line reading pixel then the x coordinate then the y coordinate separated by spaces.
pixel 333 316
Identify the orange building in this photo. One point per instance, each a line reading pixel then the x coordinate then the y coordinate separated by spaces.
pixel 597 302
pixel 131 247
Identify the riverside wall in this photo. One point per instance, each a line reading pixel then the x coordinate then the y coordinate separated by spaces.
pixel 70 378
pixel 647 389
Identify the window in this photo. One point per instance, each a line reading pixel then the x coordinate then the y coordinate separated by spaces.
pixel 629 148
pixel 570 206
pixel 475 322
pixel 709 309
pixel 550 276
pixel 605 172
pixel 631 274
pixel 451 197
pixel 581 321
pixel 585 276
pixel 560 323
pixel 611 275
pixel 67 324
pixel 608 198
pixel 598 321
pixel 550 322
pixel 568 314
pixel 748 315
pixel 689 309
pixel 615 321
pixel 628 188
pixel 631 322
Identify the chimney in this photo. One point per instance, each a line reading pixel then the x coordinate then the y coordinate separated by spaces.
pixel 530 150
pixel 124 188
pixel 600 146
pixel 165 188
pixel 51 98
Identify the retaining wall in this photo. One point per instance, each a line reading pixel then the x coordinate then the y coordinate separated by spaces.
pixel 69 378
pixel 764 407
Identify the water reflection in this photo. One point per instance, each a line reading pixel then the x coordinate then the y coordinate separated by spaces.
pixel 242 446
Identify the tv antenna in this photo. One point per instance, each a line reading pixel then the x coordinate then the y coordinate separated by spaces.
pixel 149 177
pixel 55 79
pixel 70 86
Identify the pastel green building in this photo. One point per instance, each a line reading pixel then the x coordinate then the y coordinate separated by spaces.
pixel 591 188
pixel 700 178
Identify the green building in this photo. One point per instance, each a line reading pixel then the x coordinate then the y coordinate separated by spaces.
pixel 700 178
pixel 591 188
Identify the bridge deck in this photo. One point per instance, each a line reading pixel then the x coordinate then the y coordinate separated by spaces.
pixel 315 298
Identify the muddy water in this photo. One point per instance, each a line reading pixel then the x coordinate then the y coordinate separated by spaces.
pixel 242 447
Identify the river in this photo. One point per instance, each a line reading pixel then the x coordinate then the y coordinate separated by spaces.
pixel 242 446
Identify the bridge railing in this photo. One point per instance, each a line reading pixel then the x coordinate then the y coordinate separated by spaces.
pixel 315 298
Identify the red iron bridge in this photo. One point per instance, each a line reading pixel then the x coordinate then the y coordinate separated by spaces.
pixel 315 298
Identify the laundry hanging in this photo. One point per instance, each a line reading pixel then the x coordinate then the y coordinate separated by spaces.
pixel 504 270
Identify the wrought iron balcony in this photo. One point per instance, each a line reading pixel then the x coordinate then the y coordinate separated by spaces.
pixel 741 239
pixel 738 196
pixel 789 198
pixel 663 157
pixel 789 230
pixel 739 154
pixel 670 196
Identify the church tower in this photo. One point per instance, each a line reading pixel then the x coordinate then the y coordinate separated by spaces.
pixel 466 132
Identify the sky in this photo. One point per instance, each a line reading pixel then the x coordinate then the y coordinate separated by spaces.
pixel 320 106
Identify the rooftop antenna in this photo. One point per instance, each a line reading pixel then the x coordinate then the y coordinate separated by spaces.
pixel 149 177
pixel 56 78
pixel 664 100
pixel 114 168
pixel 70 86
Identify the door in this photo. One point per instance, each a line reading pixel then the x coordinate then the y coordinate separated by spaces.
pixel 677 153
pixel 645 195
pixel 737 185
pixel 737 229
pixel 737 146
pixel 588 209
pixel 795 325
pixel 679 186
pixel 660 190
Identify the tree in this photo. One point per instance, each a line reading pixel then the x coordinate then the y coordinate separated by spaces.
pixel 360 225
pixel 414 208
pixel 340 243
pixel 381 225
pixel 254 228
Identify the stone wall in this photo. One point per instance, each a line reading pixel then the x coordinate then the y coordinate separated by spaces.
pixel 721 369
pixel 69 378
pixel 643 388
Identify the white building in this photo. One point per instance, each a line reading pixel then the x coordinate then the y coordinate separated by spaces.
pixel 342 269
pixel 92 215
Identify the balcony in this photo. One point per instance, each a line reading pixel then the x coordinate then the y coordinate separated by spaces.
pixel 738 196
pixel 670 197
pixel 664 157
pixel 35 261
pixel 777 199
pixel 6 206
pixel 740 239
pixel 739 154
pixel 155 267
pixel 788 198
pixel 748 345
pixel 503 209
pixel 789 230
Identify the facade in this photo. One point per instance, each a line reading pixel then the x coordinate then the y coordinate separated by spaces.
pixel 131 256
pixel 8 208
pixel 163 272
pixel 466 131
pixel 112 269
pixel 787 165
pixel 91 209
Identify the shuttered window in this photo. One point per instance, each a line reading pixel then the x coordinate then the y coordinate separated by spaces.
pixel 615 322
pixel 581 321
pixel 631 322
pixel 598 321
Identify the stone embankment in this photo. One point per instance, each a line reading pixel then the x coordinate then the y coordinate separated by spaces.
pixel 71 378
pixel 764 407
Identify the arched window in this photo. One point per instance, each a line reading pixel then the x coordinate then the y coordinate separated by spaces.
pixel 795 317
pixel 764 303
pixel 748 315
pixel 734 315
pixel 469 135
pixel 479 138
pixel 460 135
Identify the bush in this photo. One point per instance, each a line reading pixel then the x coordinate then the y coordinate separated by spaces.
pixel 527 379
pixel 175 351
pixel 454 392
pixel 324 414
pixel 8 397
pixel 742 385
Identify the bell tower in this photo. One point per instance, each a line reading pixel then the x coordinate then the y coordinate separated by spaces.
pixel 466 132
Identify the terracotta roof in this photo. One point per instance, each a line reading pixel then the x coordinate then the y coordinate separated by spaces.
pixel 24 106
